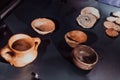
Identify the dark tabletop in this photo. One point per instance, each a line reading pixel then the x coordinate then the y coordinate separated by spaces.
pixel 51 62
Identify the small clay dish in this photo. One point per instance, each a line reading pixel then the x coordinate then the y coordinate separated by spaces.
pixel 75 37
pixel 84 57
pixel 43 25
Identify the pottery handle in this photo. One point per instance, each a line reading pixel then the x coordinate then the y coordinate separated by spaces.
pixel 37 42
pixel 5 53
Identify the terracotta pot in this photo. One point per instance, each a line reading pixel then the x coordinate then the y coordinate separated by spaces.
pixel 20 50
pixel 84 57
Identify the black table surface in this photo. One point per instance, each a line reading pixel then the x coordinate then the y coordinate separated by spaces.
pixel 51 62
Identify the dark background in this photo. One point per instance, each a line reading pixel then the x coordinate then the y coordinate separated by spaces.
pixel 52 63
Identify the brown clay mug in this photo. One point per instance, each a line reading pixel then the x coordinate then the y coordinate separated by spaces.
pixel 84 57
pixel 20 50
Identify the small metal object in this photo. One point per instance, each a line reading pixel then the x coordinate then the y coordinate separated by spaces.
pixel 35 76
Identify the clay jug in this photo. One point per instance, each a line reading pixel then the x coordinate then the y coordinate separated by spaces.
pixel 20 50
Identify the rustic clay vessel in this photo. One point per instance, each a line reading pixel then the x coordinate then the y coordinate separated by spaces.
pixel 43 25
pixel 84 57
pixel 20 50
pixel 75 37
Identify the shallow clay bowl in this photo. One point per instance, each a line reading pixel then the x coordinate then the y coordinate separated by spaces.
pixel 75 37
pixel 43 25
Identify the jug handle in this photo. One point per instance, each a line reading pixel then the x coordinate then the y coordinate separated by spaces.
pixel 5 53
pixel 37 42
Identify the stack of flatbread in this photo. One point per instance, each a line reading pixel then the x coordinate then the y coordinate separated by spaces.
pixel 112 24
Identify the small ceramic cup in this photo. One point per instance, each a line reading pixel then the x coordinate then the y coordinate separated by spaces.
pixel 84 57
